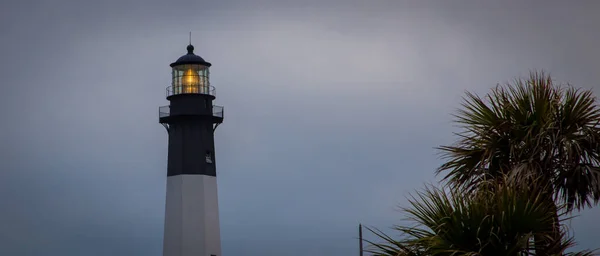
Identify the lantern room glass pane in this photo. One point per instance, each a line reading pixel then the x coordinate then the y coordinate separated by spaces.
pixel 190 78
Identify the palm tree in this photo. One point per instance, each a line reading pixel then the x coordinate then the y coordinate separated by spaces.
pixel 498 220
pixel 530 129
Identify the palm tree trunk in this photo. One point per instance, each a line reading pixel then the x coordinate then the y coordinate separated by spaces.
pixel 546 245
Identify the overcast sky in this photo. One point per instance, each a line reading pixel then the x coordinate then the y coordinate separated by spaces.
pixel 332 110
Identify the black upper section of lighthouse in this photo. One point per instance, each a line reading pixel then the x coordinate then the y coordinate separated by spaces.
pixel 191 118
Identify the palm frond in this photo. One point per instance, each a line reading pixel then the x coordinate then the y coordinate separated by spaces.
pixel 501 219
pixel 536 127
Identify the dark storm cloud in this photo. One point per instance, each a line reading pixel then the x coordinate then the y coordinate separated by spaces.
pixel 333 110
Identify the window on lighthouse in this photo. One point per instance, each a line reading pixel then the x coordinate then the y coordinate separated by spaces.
pixel 208 157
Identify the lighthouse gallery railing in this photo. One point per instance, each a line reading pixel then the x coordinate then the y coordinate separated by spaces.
pixel 164 111
pixel 191 89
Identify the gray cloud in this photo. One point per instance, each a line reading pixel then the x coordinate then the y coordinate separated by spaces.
pixel 333 110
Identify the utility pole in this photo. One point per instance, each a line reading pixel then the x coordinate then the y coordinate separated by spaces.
pixel 360 239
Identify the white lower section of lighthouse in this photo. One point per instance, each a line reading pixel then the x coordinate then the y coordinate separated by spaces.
pixel 192 216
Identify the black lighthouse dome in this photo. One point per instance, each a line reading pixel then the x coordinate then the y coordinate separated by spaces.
pixel 190 58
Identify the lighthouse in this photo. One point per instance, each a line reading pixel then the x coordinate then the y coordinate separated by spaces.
pixel 192 210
